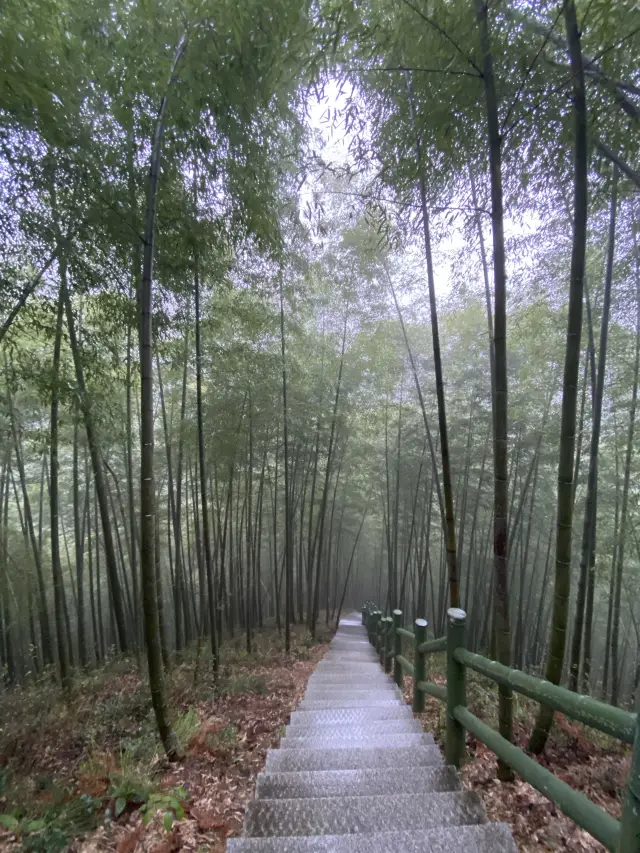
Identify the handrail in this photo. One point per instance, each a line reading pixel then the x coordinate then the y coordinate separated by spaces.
pixel 618 836
pixel 438 691
pixel 574 804
pixel 406 665
pixel 599 715
pixel 409 635
pixel 432 646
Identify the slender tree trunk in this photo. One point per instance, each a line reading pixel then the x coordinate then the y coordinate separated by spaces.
pixel 327 478
pixel 54 500
pixel 11 674
pixel 589 523
pixel 148 518
pixel 100 484
pixel 350 565
pixel 288 544
pixel 612 577
pixel 557 640
pixel 616 670
pixel 502 628
pixel 43 613
pixel 204 501
pixel 450 523
pixel 79 522
pixel 133 527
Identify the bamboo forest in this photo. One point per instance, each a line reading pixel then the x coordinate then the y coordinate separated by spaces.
pixel 310 306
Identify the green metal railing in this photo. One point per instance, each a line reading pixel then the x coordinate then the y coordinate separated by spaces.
pixel 386 634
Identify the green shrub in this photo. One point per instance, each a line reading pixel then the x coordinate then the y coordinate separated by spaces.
pixel 186 725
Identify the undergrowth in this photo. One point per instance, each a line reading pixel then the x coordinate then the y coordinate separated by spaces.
pixel 70 767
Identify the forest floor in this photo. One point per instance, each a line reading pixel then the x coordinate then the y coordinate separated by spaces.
pixel 88 776
pixel 594 764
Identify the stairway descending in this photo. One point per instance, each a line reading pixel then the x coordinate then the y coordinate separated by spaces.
pixel 356 774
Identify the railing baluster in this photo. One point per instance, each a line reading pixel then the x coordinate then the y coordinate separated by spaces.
pixel 630 823
pixel 397 647
pixel 388 643
pixel 376 631
pixel 456 686
pixel 419 664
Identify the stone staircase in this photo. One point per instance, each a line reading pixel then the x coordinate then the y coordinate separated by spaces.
pixel 356 774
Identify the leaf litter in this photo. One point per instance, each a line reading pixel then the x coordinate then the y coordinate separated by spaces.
pixel 225 753
pixel 591 763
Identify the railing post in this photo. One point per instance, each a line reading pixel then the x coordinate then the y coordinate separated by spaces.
pixel 419 664
pixel 388 643
pixel 383 640
pixel 377 616
pixel 456 688
pixel 630 823
pixel 397 647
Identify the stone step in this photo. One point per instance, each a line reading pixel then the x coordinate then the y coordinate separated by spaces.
pixel 356 783
pixel 351 815
pixel 363 668
pixel 340 716
pixel 339 694
pixel 326 704
pixel 356 758
pixel 354 676
pixel 340 739
pixel 372 685
pixel 352 659
pixel 365 686
pixel 330 660
pixel 487 838
pixel 320 728
pixel 357 689
pixel 355 773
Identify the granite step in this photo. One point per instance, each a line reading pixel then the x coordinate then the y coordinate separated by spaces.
pixel 350 815
pixel 343 740
pixel 353 659
pixel 340 716
pixel 327 704
pixel 356 758
pixel 340 694
pixel 354 676
pixel 361 668
pixel 355 772
pixel 348 684
pixel 322 728
pixel 487 838
pixel 356 783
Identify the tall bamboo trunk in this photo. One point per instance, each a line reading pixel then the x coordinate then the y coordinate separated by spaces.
pixel 616 669
pixel 447 488
pixel 148 520
pixel 502 627
pixel 327 478
pixel 288 544
pixel 30 533
pixel 102 495
pixel 589 523
pixel 557 640
pixel 54 498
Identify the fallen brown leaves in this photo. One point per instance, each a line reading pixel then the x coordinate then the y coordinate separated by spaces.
pixel 223 757
pixel 220 781
pixel 598 769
